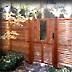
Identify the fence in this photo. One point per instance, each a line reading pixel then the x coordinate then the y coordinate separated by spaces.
pixel 51 51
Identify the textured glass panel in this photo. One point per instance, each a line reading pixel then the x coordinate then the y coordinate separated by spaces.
pixel 42 30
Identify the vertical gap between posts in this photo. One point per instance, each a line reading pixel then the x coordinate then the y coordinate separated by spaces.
pixel 31 47
pixel 48 30
pixel 42 53
pixel 56 43
pixel 10 38
pixel 53 43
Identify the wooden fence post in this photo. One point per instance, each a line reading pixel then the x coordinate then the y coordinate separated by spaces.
pixel 56 43
pixel 31 44
pixel 10 38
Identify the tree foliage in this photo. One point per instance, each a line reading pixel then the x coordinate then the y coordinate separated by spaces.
pixel 13 10
pixel 71 16
pixel 31 14
pixel 22 12
pixel 61 16
pixel 39 15
pixel 47 14
pixel 1 10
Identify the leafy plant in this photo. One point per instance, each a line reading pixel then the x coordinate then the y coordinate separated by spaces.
pixel 52 69
pixel 10 60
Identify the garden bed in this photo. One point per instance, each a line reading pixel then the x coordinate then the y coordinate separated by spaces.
pixel 9 60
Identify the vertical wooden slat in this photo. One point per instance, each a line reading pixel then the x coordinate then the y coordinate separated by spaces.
pixel 56 43
pixel 10 39
pixel 48 30
pixel 38 30
pixel 33 37
pixel 42 53
pixel 31 43
pixel 57 39
pixel 53 43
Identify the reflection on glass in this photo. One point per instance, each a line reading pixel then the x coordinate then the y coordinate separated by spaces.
pixel 42 30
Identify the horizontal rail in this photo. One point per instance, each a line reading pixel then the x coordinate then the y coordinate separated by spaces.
pixel 65 18
pixel 21 39
pixel 43 42
pixel 44 19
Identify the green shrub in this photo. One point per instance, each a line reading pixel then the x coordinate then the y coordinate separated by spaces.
pixel 14 57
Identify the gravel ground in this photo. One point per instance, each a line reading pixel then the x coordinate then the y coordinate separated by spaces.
pixel 35 67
